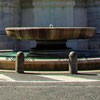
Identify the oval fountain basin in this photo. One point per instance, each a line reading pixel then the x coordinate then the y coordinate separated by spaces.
pixel 50 33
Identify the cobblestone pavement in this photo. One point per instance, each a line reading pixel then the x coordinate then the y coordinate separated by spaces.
pixel 27 86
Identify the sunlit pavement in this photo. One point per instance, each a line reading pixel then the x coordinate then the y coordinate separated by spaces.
pixel 50 86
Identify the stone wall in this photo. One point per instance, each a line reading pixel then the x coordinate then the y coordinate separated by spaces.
pixel 93 16
pixel 57 12
pixel 79 20
pixel 93 11
pixel 80 13
pixel 9 16
pixel 45 12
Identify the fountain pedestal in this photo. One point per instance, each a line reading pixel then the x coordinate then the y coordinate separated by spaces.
pixel 49 49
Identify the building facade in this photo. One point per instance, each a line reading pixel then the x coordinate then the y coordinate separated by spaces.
pixel 41 13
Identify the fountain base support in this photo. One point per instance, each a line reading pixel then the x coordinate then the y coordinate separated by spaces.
pixel 50 49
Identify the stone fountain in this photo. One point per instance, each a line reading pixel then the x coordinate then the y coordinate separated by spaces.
pixel 51 41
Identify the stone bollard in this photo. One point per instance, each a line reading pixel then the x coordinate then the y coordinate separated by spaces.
pixel 19 64
pixel 73 63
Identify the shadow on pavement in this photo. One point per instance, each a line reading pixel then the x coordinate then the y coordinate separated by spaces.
pixel 90 74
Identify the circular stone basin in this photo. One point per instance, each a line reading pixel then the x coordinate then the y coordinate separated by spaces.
pixel 50 33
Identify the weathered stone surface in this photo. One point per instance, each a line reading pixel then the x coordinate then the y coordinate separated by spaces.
pixel 6 42
pixel 73 64
pixel 93 16
pixel 9 16
pixel 53 33
pixel 19 64
pixel 81 44
pixel 9 13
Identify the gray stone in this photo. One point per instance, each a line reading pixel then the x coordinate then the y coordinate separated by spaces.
pixel 19 64
pixel 73 63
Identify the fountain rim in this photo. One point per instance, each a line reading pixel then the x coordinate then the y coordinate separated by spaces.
pixel 54 33
pixel 29 28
